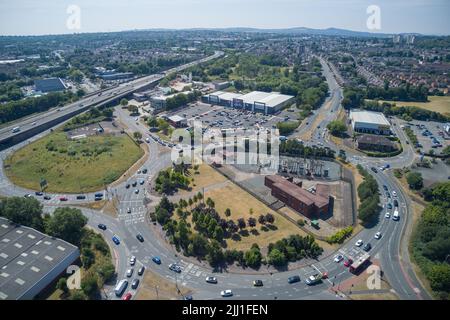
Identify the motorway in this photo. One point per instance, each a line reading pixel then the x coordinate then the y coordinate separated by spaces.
pixel 389 250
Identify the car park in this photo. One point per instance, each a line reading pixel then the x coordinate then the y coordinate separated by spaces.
pixel 135 284
pixel 226 293
pixel 141 270
pixel 359 243
pixel 293 279
pixel 101 226
pixel 156 260
pixel 140 237
pixel 211 280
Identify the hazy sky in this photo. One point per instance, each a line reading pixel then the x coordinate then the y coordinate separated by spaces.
pixel 26 17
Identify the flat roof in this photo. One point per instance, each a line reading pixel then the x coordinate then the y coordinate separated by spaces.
pixel 271 99
pixel 176 118
pixel 369 117
pixel 26 257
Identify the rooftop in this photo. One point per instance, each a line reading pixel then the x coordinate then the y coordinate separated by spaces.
pixel 369 117
pixel 27 256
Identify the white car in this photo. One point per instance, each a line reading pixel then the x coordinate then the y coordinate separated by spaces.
pixel 226 293
pixel 387 215
pixel 359 243
pixel 377 235
pixel 132 260
pixel 338 258
pixel 394 193
pixel 130 272
pixel 128 210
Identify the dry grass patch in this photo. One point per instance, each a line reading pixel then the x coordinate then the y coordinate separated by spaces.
pixel 375 296
pixel 436 103
pixel 155 287
pixel 207 176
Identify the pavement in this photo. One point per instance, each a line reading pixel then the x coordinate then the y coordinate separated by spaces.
pixel 390 249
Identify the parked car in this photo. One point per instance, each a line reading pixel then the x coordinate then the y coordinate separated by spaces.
pixel 127 186
pixel 394 193
pixel 81 197
pixel 38 193
pixel 389 205
pixel 175 267
pixel 226 293
pixel 128 210
pixel 211 280
pixel 377 235
pixel 156 260
pixel 387 215
pixel 132 260
pixel 63 199
pixel 136 191
pixel 141 270
pixel 359 243
pixel 293 279
pixel 47 198
pixel 367 247
pixel 144 171
pixel 101 226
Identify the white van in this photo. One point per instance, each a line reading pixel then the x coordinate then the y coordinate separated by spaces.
pixel 16 129
pixel 396 215
pixel 120 287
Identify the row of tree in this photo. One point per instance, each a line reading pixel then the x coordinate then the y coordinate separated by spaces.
pixel 368 194
pixel 295 148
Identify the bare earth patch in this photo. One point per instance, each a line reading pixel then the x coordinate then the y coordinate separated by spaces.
pixel 155 287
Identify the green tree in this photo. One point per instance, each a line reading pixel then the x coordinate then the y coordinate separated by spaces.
pixel 277 258
pixel 215 254
pixel 62 285
pixel 337 127
pixel 67 224
pixel 415 180
pixel 124 102
pixel 24 211
pixel 253 257
pixel 137 136
pixel 89 285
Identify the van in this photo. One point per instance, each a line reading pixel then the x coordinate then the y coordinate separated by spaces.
pixel 120 287
pixel 396 215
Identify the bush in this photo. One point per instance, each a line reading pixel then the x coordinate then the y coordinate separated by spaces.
pixel 341 235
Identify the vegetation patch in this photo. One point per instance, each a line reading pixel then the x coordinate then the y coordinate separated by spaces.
pixel 368 194
pixel 72 166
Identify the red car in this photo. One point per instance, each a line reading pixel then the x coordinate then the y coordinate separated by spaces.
pixel 348 262
pixel 63 199
pixel 127 296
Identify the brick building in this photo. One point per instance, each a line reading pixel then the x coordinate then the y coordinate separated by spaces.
pixel 310 204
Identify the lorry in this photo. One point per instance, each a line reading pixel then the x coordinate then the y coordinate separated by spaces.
pixel 360 263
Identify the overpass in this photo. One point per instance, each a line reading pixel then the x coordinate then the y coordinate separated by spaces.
pixel 40 122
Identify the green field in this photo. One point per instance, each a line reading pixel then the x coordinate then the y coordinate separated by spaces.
pixel 72 166
pixel 436 103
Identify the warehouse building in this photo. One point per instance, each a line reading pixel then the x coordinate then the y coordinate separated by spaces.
pixel 311 205
pixel 49 85
pixel 255 101
pixel 370 122
pixel 375 143
pixel 30 260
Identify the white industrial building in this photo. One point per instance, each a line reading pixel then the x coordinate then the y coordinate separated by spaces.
pixel 370 122
pixel 256 101
pixel 30 260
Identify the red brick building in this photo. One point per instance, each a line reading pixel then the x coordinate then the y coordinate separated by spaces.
pixel 311 205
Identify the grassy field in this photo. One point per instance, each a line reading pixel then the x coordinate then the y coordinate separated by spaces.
pixel 72 166
pixel 155 287
pixel 437 104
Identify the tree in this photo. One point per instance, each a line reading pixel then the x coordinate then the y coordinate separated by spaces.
pixel 277 258
pixel 337 127
pixel 227 212
pixel 162 216
pixel 210 203
pixel 89 286
pixel 152 122
pixel 415 180
pixel 270 218
pixel 124 102
pixel 241 223
pixel 62 285
pixel 262 219
pixel 251 222
pixel 24 211
pixel 137 136
pixel 215 254
pixel 253 257
pixel 67 224
pixel 218 233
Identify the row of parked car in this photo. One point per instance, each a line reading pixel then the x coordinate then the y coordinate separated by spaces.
pixel 97 197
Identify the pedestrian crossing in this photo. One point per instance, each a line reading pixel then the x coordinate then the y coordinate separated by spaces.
pixel 190 272
pixel 137 215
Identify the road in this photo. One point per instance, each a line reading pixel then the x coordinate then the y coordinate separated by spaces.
pixel 389 250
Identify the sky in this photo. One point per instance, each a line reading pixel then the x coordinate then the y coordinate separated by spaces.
pixel 37 17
